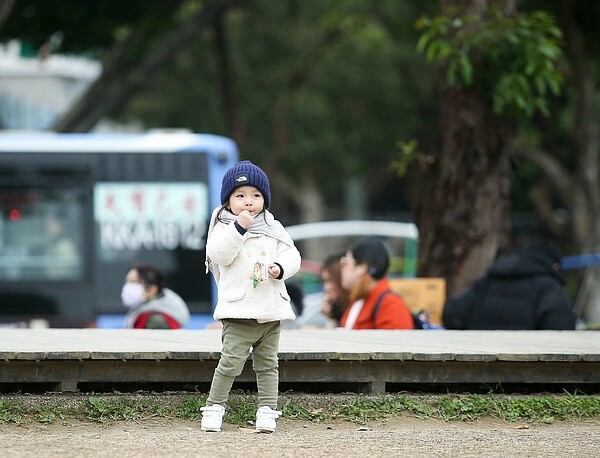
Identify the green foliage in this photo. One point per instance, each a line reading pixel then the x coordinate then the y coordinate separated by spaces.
pixel 463 408
pixel 189 407
pixel 240 412
pixel 39 21
pixel 363 411
pixel 11 412
pixel 455 408
pixel 408 153
pixel 514 59
pixel 297 412
pixel 360 409
pixel 548 409
pixel 128 409
pixel 50 415
pixel 321 89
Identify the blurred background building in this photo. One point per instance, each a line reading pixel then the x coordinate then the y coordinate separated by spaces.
pixel 36 88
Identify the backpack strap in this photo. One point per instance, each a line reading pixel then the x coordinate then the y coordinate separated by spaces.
pixel 378 304
pixel 417 324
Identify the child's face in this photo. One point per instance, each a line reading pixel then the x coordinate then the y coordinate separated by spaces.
pixel 246 198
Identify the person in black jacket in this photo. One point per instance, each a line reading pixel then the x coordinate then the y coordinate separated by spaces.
pixel 522 290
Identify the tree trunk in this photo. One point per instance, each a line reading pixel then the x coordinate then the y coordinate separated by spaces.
pixel 6 7
pixel 462 209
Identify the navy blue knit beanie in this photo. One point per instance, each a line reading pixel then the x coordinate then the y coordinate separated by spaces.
pixel 245 173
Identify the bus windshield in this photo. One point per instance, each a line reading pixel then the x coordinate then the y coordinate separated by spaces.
pixel 40 235
pixel 77 211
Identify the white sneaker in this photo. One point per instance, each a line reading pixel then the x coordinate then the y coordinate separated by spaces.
pixel 212 418
pixel 266 419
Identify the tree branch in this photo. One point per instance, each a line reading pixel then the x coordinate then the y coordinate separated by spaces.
pixel 6 7
pixel 556 173
pixel 115 88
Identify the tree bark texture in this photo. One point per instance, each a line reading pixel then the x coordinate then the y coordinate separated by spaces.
pixel 462 209
pixel 462 212
pixel 6 7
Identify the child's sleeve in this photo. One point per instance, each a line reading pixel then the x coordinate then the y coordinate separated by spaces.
pixel 224 244
pixel 289 259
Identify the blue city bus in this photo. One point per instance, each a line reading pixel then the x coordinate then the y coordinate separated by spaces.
pixel 78 210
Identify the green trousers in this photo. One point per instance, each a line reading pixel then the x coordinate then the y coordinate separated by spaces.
pixel 238 337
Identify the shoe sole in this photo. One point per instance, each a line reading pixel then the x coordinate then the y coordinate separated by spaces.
pixel 210 430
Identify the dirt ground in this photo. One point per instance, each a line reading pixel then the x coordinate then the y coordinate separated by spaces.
pixel 403 436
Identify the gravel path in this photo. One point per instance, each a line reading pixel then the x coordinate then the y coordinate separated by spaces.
pixel 403 436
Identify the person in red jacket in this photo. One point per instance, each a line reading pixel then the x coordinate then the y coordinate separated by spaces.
pixel 373 305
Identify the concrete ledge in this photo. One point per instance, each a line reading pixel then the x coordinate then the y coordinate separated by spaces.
pixel 68 357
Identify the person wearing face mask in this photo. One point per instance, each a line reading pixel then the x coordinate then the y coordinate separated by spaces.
pixel 151 304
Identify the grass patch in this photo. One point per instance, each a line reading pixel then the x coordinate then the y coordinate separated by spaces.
pixel 548 409
pixel 50 415
pixel 11 412
pixel 98 409
pixel 361 409
pixel 465 408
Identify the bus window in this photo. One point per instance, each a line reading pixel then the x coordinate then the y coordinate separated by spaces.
pixel 163 223
pixel 40 235
pixel 78 210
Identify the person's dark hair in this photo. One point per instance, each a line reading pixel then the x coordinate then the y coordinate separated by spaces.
pixel 373 253
pixel 332 266
pixel 332 262
pixel 151 275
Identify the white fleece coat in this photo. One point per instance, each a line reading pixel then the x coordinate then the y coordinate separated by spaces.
pixel 234 255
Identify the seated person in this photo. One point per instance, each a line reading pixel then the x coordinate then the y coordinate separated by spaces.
pixel 373 305
pixel 522 290
pixel 327 311
pixel 152 306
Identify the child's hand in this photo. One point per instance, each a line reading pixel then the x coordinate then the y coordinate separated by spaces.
pixel 245 219
pixel 274 271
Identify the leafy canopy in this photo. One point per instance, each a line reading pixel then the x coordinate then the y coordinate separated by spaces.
pixel 515 59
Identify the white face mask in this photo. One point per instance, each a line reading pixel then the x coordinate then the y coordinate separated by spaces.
pixel 132 294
